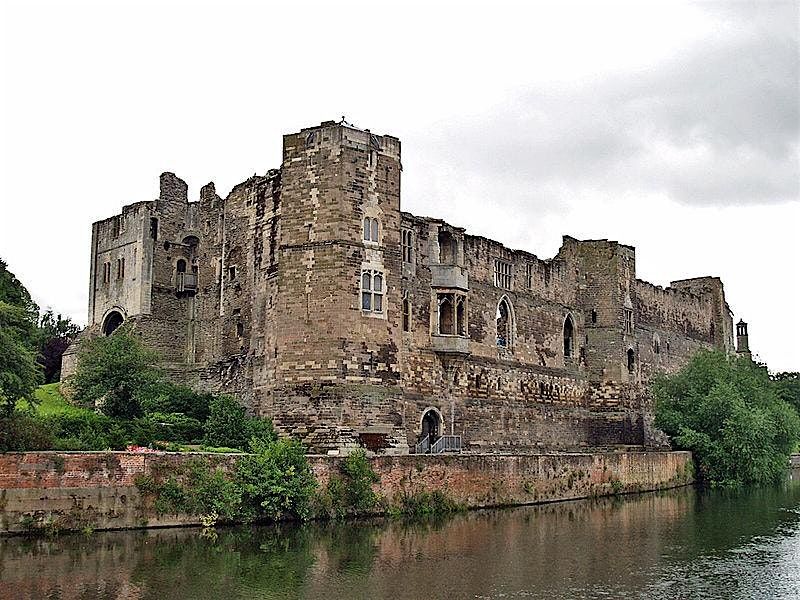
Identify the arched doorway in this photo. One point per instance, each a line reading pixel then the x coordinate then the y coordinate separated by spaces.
pixel 430 424
pixel 112 322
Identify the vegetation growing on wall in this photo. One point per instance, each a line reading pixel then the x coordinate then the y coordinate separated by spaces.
pixel 350 492
pixel 728 412
pixel 274 482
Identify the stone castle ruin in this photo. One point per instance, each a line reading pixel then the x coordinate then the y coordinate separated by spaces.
pixel 313 298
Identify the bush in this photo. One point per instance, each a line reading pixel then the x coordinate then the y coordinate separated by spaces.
pixel 175 427
pixel 228 425
pixel 275 482
pixel 114 371
pixel 351 492
pixel 727 412
pixel 165 397
pixel 20 432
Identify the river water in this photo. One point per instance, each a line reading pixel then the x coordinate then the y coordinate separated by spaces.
pixel 677 544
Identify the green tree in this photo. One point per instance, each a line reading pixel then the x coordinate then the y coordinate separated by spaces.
pixel 728 413
pixel 14 293
pixel 55 335
pixel 117 371
pixel 788 388
pixel 19 373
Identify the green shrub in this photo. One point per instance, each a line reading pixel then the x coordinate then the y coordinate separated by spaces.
pixel 21 431
pixel 175 427
pixel 351 492
pixel 727 412
pixel 165 397
pixel 275 481
pixel 228 425
pixel 425 504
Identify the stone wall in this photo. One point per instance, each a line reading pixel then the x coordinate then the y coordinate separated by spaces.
pixel 98 489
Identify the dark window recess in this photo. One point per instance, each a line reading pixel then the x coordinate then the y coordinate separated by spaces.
pixel 240 329
pixel 231 273
pixel 154 228
pixel 594 317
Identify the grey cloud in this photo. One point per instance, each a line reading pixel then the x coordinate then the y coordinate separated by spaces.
pixel 717 124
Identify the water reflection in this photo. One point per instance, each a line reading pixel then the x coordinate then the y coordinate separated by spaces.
pixel 677 544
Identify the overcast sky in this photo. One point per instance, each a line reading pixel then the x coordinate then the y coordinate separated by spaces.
pixel 672 127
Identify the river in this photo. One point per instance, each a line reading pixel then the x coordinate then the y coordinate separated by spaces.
pixel 682 543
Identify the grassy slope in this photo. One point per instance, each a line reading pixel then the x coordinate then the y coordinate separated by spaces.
pixel 51 402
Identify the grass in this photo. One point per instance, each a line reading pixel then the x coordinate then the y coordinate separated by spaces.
pixel 51 402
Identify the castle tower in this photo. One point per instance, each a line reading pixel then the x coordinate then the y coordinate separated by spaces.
pixel 338 304
pixel 742 344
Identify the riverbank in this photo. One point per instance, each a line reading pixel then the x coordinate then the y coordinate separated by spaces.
pixel 97 490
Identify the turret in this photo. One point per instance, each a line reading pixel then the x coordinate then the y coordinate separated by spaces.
pixel 742 344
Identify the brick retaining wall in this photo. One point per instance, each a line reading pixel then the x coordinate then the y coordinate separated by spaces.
pixel 98 489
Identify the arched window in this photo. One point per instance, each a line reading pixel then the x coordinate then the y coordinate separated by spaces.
pixel 631 360
pixel 406 313
pixel 505 326
pixel 112 322
pixel 446 315
pixel 372 291
pixel 371 227
pixel 461 315
pixel 447 248
pixel 569 336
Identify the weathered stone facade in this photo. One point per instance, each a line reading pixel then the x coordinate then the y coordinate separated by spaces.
pixel 309 294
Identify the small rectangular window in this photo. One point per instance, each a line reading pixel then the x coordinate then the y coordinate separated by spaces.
pixel 529 276
pixel 120 268
pixel 502 274
pixel 628 320
pixel 231 273
pixel 154 228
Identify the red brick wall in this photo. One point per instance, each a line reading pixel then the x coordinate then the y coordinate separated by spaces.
pixel 98 488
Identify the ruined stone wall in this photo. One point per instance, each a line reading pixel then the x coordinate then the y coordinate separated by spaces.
pixel 277 319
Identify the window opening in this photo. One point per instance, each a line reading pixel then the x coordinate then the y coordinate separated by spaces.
pixel 461 315
pixel 631 360
pixel 372 291
pixel 406 313
pixel 154 228
pixel 371 227
pixel 502 274
pixel 503 321
pixel 406 244
pixel 447 248
pixel 569 333
pixel 628 320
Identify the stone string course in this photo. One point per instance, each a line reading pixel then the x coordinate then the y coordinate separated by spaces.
pixel 98 489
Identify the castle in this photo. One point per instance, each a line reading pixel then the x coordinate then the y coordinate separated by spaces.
pixel 313 298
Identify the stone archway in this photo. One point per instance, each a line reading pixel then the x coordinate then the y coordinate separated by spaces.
pixel 112 322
